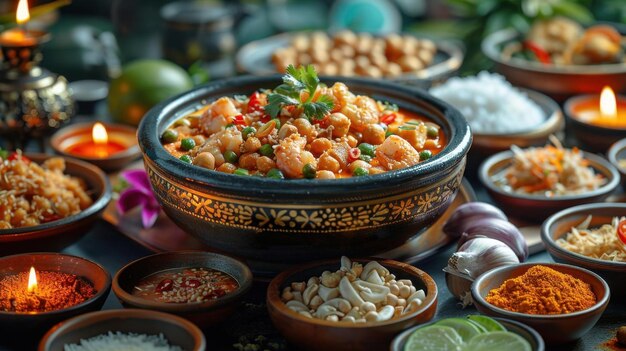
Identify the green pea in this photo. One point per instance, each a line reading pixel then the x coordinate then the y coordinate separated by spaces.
pixel 425 155
pixel 245 133
pixel 241 172
pixel 187 144
pixel 185 158
pixel 277 123
pixel 309 171
pixel 275 173
pixel 388 133
pixel 182 122
pixel 169 136
pixel 365 158
pixel 230 156
pixel 367 149
pixel 266 150
pixel 432 132
pixel 360 171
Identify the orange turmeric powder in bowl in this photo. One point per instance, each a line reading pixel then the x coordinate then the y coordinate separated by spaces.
pixel 543 290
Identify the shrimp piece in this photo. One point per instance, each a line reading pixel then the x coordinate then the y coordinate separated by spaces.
pixel 396 153
pixel 340 94
pixel 362 112
pixel 291 156
pixel 218 115
pixel 229 139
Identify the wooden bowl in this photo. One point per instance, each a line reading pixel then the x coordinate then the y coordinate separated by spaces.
pixel 529 334
pixel 314 334
pixel 536 208
pixel 176 330
pixel 299 220
pixel 56 235
pixel 35 324
pixel 554 328
pixel 204 313
pixel 559 224
pixel 617 153
pixel 558 82
pixel 81 132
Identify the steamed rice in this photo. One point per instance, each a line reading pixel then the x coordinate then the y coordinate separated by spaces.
pixel 490 104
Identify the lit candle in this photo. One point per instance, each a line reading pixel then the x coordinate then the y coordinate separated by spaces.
pixel 18 36
pixel 32 280
pixel 608 111
pixel 98 147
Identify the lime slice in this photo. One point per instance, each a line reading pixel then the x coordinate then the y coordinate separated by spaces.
pixel 498 341
pixel 489 324
pixel 464 327
pixel 434 338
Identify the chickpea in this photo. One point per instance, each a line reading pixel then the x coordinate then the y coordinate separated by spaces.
pixel 340 123
pixel 359 163
pixel 252 144
pixel 319 145
pixel 320 56
pixel 393 45
pixel 205 159
pixel 286 130
pixel 328 163
pixel 428 45
pixel 324 174
pixel 304 59
pixel 410 63
pixel 373 72
pixel 348 51
pixel 392 69
pixel 365 43
pixel 374 134
pixel 264 164
pixel 305 128
pixel 425 56
pixel 227 168
pixel 330 69
pixel 352 140
pixel 249 160
pixel 301 42
pixel 199 139
pixel 379 60
pixel 345 37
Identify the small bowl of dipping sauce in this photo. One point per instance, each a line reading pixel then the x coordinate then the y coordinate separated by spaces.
pixel 203 287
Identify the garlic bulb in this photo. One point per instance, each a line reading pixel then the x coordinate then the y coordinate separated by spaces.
pixel 479 255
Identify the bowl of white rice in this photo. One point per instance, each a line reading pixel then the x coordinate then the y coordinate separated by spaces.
pixel 500 114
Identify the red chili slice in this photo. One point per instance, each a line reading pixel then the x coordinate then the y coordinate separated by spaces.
pixel 165 285
pixel 621 231
pixel 324 122
pixel 354 154
pixel 239 120
pixel 388 119
pixel 254 103
pixel 542 55
pixel 14 155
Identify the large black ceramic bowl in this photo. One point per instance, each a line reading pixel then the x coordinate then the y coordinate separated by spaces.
pixel 298 220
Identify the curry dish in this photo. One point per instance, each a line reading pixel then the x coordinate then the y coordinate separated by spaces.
pixel 303 129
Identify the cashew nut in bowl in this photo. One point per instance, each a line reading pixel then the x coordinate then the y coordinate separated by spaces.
pixel 353 294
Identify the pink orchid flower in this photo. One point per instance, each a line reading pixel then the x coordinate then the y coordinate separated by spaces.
pixel 139 193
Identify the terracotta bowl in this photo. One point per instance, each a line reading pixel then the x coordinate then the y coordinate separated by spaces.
pixel 55 235
pixel 536 208
pixel 176 330
pixel 300 220
pixel 529 334
pixel 314 334
pixel 558 82
pixel 205 313
pixel 81 132
pixel 484 145
pixel 35 324
pixel 558 225
pixel 554 328
pixel 617 153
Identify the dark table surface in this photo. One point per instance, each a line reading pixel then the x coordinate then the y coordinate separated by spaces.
pixel 105 245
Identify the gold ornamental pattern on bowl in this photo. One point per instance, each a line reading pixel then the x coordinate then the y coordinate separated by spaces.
pixel 305 218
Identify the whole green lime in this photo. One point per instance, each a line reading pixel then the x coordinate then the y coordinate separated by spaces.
pixel 143 84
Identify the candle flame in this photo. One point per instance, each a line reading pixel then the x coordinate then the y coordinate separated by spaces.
pixel 608 103
pixel 32 280
pixel 99 134
pixel 22 15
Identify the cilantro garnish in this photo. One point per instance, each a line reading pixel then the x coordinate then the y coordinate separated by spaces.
pixel 296 81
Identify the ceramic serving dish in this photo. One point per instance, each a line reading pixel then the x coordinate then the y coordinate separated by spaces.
pixel 554 328
pixel 122 134
pixel 176 330
pixel 529 334
pixel 204 313
pixel 558 82
pixel 558 225
pixel 536 208
pixel 55 235
pixel 593 137
pixel 35 324
pixel 298 220
pixel 256 58
pixel 314 334
pixel 617 154
pixel 484 145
